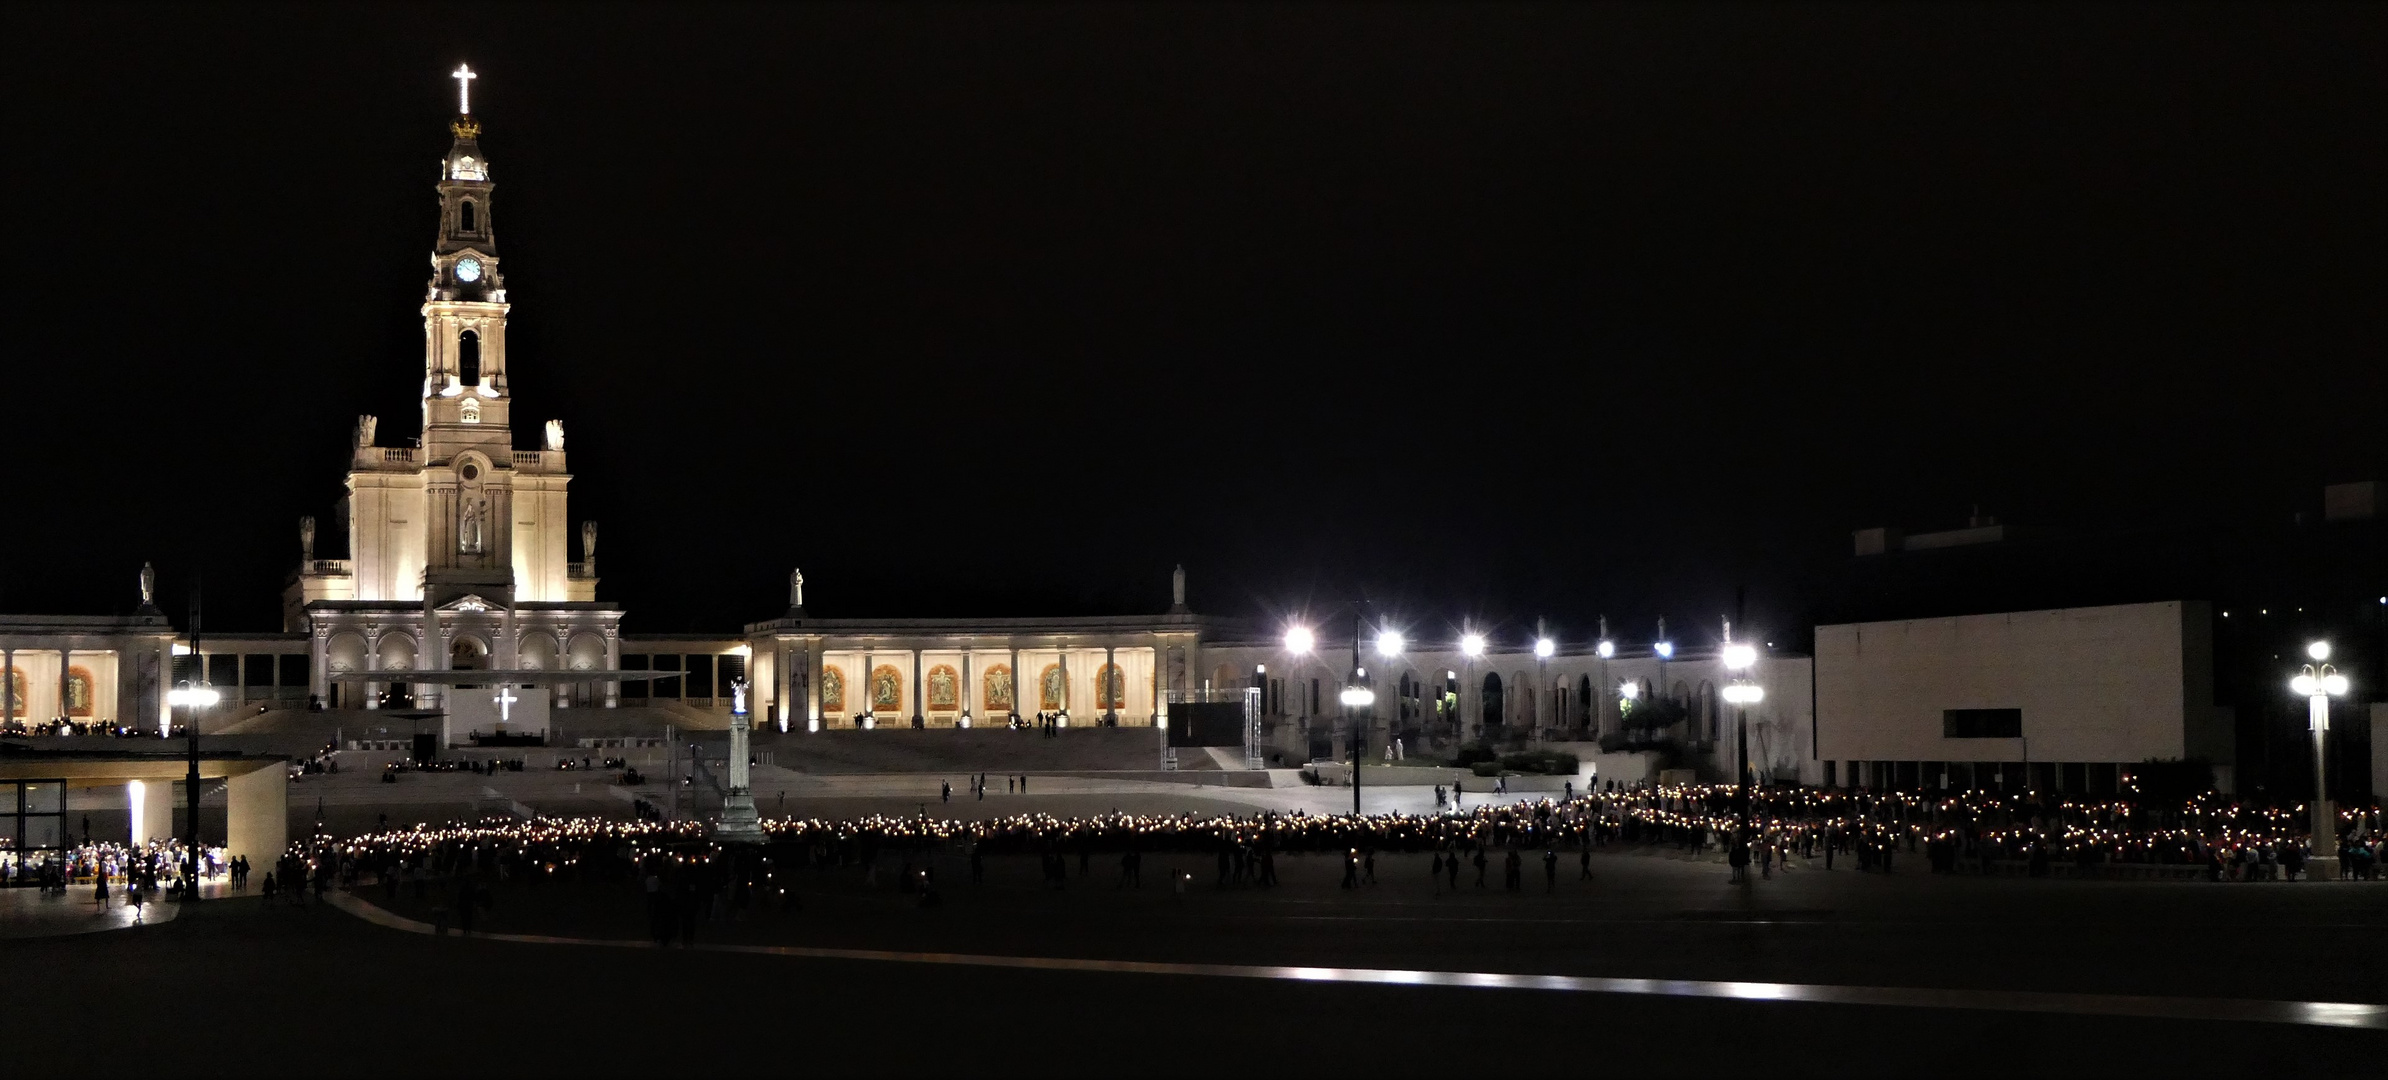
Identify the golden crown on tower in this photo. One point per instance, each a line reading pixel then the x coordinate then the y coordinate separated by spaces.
pixel 466 127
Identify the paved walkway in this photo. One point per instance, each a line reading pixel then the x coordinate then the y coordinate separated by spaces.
pixel 2314 1013
pixel 27 913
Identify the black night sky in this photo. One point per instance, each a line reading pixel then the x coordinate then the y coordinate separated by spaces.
pixel 1478 310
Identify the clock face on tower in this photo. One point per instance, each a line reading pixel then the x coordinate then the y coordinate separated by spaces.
pixel 468 270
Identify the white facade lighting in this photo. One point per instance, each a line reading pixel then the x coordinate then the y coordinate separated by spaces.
pixel 1629 690
pixel 1664 649
pixel 196 697
pixel 1358 696
pixel 1744 693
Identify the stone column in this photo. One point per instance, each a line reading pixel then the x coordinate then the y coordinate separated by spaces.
pixel 8 686
pixel 814 658
pixel 165 716
pixel 969 689
pixel 373 663
pixel 739 822
pixel 613 662
pixel 1014 647
pixel 782 657
pixel 1103 692
pixel 240 679
pixel 919 707
pixel 319 664
pixel 1062 659
pixel 64 661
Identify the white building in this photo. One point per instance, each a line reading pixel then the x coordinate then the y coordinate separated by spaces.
pixel 2061 700
pixel 458 542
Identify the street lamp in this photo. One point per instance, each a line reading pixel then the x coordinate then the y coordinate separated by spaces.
pixel 1741 693
pixel 2319 682
pixel 1544 649
pixel 1471 645
pixel 1605 650
pixel 1389 644
pixel 1356 696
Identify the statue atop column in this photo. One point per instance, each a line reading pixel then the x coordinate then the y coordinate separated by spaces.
pixel 149 585
pixel 307 539
pixel 555 435
pixel 1177 589
pixel 740 824
pixel 796 590
pixel 588 540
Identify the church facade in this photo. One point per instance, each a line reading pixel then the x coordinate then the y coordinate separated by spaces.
pixel 458 542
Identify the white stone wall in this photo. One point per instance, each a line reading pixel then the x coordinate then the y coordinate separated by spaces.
pixel 2104 684
pixel 387 519
pixel 542 564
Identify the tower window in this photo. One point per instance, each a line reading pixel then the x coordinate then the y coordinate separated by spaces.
pixel 468 359
pixel 468 218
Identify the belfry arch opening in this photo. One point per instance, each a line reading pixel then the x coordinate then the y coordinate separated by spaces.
pixel 468 217
pixel 468 358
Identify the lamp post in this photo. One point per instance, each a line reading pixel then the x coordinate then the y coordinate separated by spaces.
pixel 2319 682
pixel 1471 645
pixel 1389 644
pixel 1741 693
pixel 1356 696
pixel 1665 651
pixel 1605 649
pixel 1544 647
pixel 193 698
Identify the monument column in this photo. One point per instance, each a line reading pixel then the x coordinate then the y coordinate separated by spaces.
pixel 1061 655
pixel 1103 684
pixel 63 659
pixel 8 685
pixel 740 824
pixel 918 707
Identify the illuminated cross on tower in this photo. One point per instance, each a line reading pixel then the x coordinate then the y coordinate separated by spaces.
pixel 505 702
pixel 464 89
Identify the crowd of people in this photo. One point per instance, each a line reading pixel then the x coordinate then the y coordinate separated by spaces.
pixel 1974 831
pixel 112 869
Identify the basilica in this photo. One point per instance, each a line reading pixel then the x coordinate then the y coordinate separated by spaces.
pixel 468 591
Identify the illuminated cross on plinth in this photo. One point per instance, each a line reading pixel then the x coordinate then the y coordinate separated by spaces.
pixel 505 702
pixel 464 88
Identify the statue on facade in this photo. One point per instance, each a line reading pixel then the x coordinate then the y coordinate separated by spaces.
pixel 588 540
pixel 307 539
pixel 796 590
pixel 555 435
pixel 1177 588
pixel 468 525
pixel 149 585
pixel 366 425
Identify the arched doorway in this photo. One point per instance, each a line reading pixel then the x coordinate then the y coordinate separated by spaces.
pixel 1493 712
